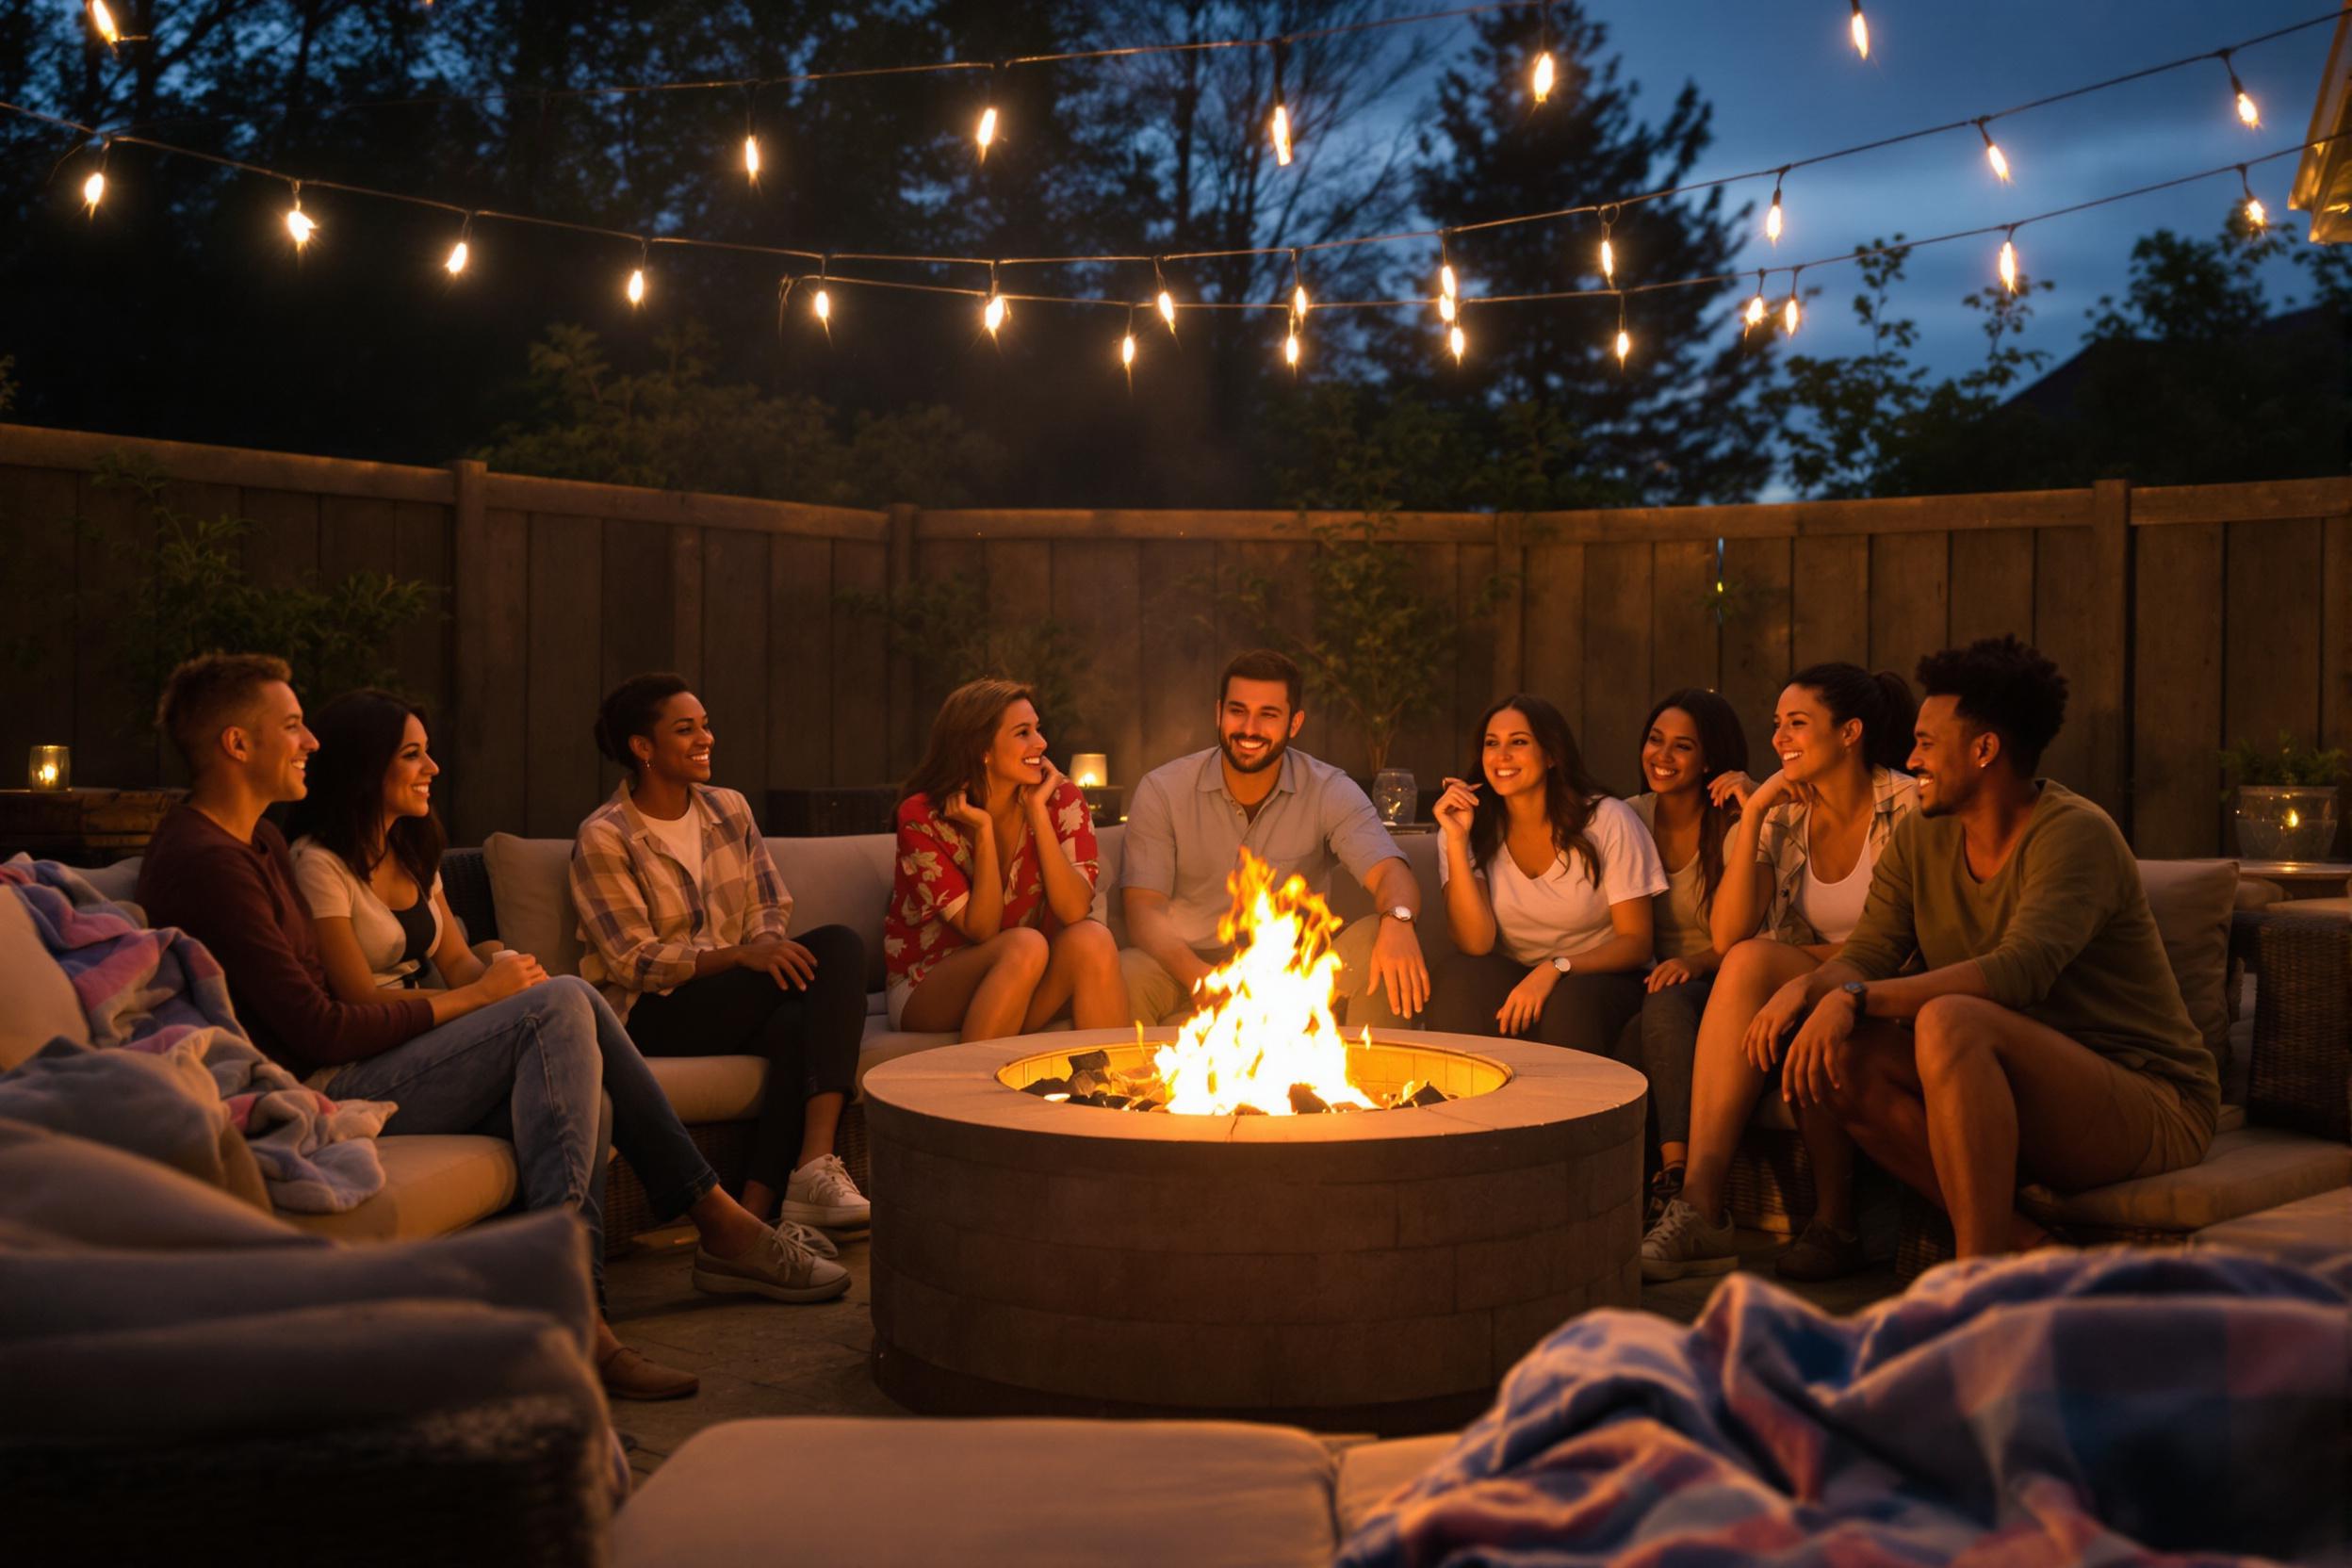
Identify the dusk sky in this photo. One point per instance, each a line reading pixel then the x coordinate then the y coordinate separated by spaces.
pixel 1787 84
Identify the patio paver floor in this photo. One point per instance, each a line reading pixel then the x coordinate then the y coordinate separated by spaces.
pixel 761 1358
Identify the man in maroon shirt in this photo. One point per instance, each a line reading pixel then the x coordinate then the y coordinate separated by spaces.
pixel 515 1050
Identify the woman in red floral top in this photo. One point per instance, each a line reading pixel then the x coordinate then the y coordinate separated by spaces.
pixel 988 932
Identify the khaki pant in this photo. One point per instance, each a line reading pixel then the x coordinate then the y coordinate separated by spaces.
pixel 1153 997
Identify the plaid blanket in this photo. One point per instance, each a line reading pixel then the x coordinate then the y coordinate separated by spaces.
pixel 2115 1407
pixel 159 993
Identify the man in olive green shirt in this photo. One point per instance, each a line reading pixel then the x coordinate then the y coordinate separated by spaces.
pixel 2048 1042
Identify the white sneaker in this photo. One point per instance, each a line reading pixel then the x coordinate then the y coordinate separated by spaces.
pixel 782 1267
pixel 821 1193
pixel 1684 1241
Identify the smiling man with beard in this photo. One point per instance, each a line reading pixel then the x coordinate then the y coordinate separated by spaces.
pixel 1191 819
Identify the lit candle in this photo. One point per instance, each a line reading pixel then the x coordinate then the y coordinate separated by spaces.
pixel 49 768
pixel 1090 770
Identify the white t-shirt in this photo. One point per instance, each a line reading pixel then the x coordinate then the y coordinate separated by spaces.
pixel 332 892
pixel 682 838
pixel 1835 909
pixel 1561 911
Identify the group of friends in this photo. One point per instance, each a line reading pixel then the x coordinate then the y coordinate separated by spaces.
pixel 1933 953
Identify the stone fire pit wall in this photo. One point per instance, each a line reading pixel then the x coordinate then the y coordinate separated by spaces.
pixel 1373 1270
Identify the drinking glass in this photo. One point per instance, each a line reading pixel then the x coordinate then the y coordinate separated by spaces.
pixel 1395 794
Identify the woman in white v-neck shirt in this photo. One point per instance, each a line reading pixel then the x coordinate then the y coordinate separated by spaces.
pixel 1548 882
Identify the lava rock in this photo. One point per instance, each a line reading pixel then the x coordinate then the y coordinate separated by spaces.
pixel 1248 1110
pixel 1089 1061
pixel 1043 1086
pixel 1305 1101
pixel 1429 1094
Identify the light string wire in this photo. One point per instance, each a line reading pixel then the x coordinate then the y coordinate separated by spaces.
pixel 105 139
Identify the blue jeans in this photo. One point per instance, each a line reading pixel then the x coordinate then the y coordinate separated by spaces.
pixel 534 1069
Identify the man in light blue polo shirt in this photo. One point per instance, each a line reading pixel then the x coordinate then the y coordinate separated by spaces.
pixel 1190 820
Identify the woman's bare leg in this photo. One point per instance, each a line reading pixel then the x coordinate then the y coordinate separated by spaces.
pixel 981 991
pixel 1082 973
pixel 1723 1083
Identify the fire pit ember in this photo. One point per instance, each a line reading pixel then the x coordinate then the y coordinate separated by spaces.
pixel 1092 1078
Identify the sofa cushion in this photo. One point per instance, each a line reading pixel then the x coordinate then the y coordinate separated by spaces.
pixel 1369 1472
pixel 2243 1172
pixel 883 1043
pixel 432 1184
pixel 704 1089
pixel 840 881
pixel 2193 901
pixel 1035 1493
pixel 531 885
pixel 41 1001
pixel 2304 1231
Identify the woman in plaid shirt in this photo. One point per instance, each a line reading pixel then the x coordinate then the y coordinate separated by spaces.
pixel 684 920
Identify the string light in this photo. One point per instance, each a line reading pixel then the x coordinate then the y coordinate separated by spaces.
pixel 2255 217
pixel 986 134
pixel 1624 340
pixel 94 188
pixel 1544 73
pixel 1860 29
pixel 461 253
pixel 1297 290
pixel 101 21
pixel 636 289
pixel 1457 342
pixel 2009 262
pixel 1793 313
pixel 298 223
pixel 1166 303
pixel 1609 250
pixel 1448 285
pixel 751 158
pixel 1127 349
pixel 1753 316
pixel 1279 125
pixel 992 314
pixel 1993 155
pixel 821 303
pixel 1290 345
pixel 2248 114
pixel 1771 214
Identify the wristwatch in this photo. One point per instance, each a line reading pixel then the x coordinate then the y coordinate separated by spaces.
pixel 1563 963
pixel 1400 912
pixel 1861 994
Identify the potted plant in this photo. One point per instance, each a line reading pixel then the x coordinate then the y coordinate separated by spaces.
pixel 2286 798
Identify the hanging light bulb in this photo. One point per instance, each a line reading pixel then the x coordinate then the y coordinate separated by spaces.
pixel 1545 74
pixel 1608 248
pixel 1445 282
pixel 298 223
pixel 1753 316
pixel 2256 218
pixel 1298 299
pixel 1772 214
pixel 821 304
pixel 1445 307
pixel 1281 135
pixel 1625 347
pixel 1792 313
pixel 101 21
pixel 751 158
pixel 1457 342
pixel 1993 155
pixel 986 134
pixel 2009 265
pixel 1290 345
pixel 1166 302
pixel 93 191
pixel 1127 352
pixel 459 255
pixel 1860 29
pixel 992 314
pixel 636 289
pixel 2248 114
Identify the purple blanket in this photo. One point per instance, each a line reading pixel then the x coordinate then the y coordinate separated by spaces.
pixel 2115 1407
pixel 159 993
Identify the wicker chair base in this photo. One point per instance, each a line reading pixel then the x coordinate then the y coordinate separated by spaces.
pixel 1769 1185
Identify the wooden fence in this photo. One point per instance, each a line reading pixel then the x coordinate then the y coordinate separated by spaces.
pixel 2184 617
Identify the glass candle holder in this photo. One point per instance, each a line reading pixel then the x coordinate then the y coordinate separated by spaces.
pixel 49 768
pixel 1090 770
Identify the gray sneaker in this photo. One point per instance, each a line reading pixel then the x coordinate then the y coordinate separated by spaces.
pixel 821 1193
pixel 783 1266
pixel 1822 1253
pixel 1684 1241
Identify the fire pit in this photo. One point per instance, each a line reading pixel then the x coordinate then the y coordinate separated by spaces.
pixel 1296 1226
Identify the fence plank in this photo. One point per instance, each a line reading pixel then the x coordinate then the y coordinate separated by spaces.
pixel 490 560
pixel 1474 675
pixel 1552 664
pixel 1423 744
pixel 1180 653
pixel 2335 694
pixel 638 630
pixel 735 667
pixel 1617 683
pixel 421 650
pixel 2177 647
pixel 1755 635
pixel 861 686
pixel 801 618
pixel 686 603
pixel 1097 591
pixel 1910 600
pixel 2271 670
pixel 1829 600
pixel 2063 563
pixel 1684 635
pixel 37 652
pixel 567 575
pixel 1992 585
pixel 283 548
pixel 356 534
pixel 114 683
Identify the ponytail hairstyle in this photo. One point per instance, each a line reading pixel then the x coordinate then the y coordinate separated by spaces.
pixel 1570 793
pixel 1723 748
pixel 359 735
pixel 957 757
pixel 1883 702
pixel 632 708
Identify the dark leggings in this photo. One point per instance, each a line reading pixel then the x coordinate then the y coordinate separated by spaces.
pixel 1669 1046
pixel 809 1037
pixel 1585 1012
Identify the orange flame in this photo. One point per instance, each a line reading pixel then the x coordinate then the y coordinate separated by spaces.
pixel 1266 1021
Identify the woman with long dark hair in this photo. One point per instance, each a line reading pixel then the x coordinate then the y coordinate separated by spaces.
pixel 1691 737
pixel 1799 865
pixel 990 931
pixel 686 922
pixel 1548 881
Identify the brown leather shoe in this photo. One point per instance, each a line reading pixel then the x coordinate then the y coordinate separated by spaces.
pixel 630 1376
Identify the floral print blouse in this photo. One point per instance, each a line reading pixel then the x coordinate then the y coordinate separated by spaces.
pixel 932 880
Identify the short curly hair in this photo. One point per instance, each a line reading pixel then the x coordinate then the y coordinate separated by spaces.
pixel 2006 687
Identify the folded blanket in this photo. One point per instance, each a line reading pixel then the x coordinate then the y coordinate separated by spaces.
pixel 159 993
pixel 2121 1406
